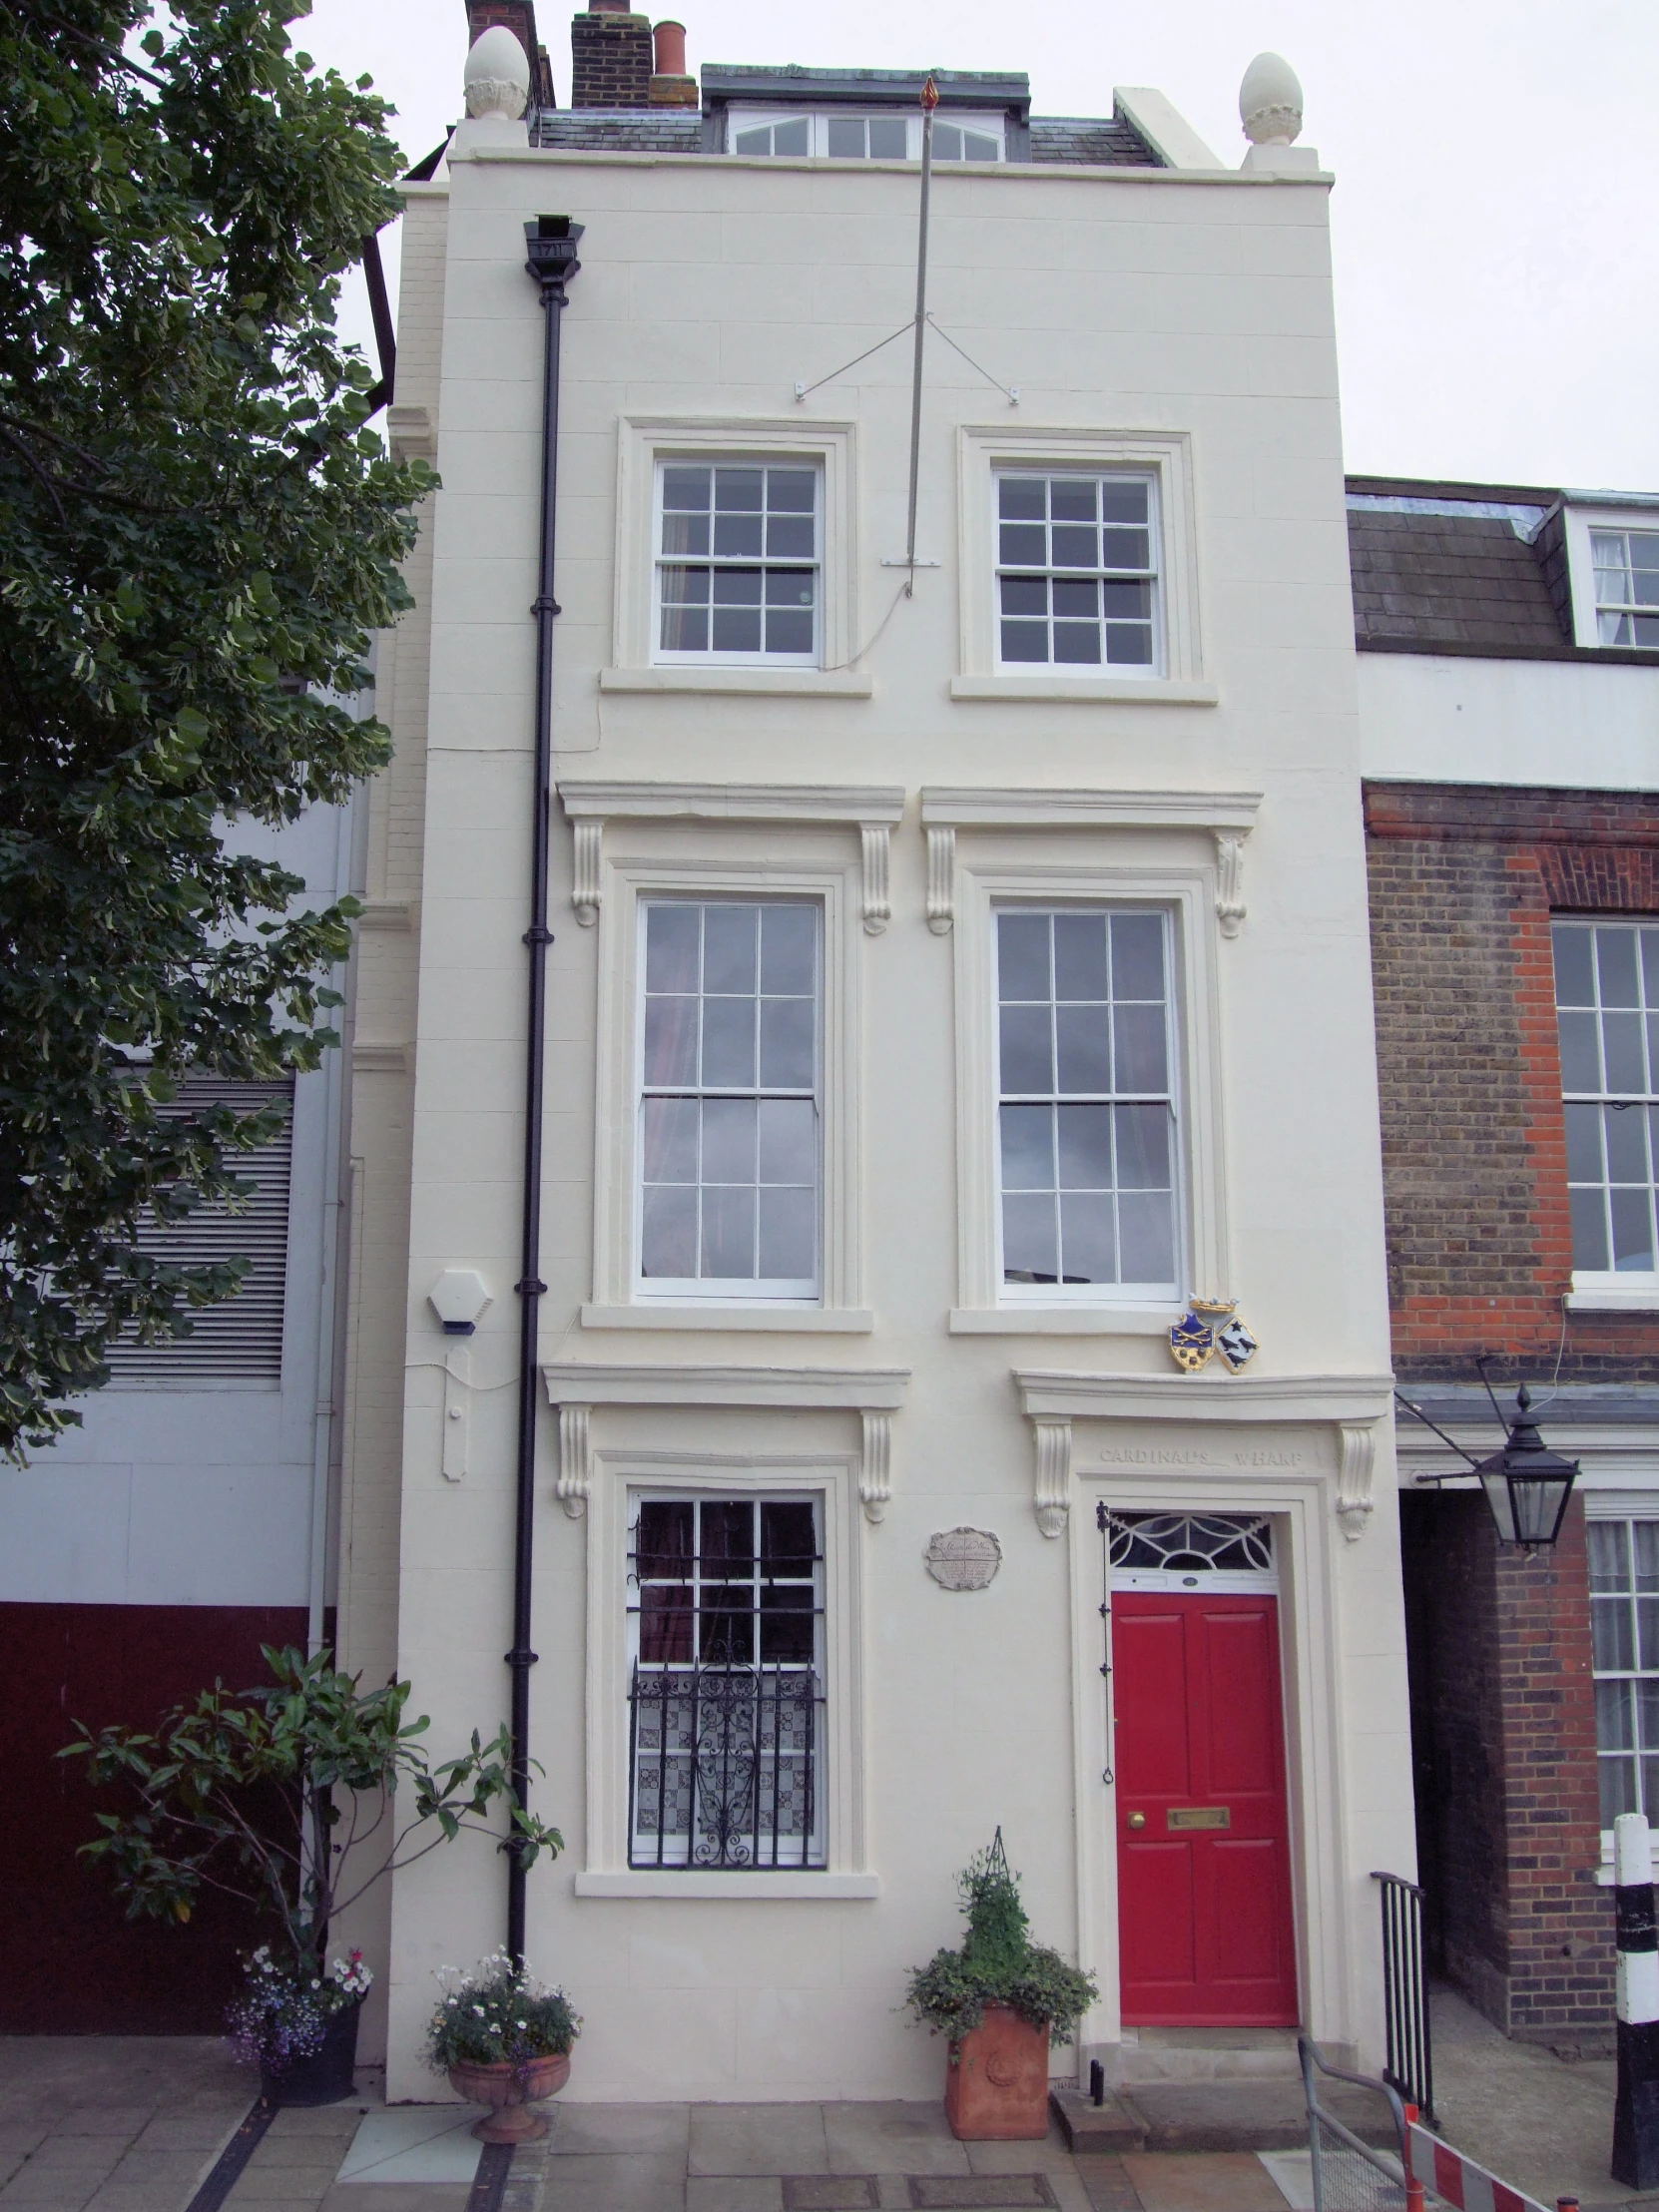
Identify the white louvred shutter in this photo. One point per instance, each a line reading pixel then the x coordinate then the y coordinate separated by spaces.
pixel 241 1339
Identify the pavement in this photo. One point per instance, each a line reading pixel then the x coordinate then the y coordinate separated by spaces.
pixel 130 2125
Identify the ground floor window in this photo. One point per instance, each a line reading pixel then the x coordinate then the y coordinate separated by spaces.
pixel 1624 1628
pixel 725 1682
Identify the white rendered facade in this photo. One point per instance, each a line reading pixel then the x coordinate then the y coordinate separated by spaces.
pixel 909 788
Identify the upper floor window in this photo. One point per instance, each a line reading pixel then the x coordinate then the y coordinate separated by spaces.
pixel 1077 570
pixel 1626 564
pixel 730 1110
pixel 1607 1001
pixel 1086 1137
pixel 738 553
pixel 876 138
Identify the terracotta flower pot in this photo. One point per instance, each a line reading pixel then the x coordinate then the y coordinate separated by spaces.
pixel 510 2090
pixel 996 2086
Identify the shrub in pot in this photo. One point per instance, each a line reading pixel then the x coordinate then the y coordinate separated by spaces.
pixel 286 1797
pixel 504 2040
pixel 1000 1999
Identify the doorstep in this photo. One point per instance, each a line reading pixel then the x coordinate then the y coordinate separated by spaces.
pixel 1210 2117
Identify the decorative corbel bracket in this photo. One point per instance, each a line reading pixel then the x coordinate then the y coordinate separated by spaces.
pixel 574 1484
pixel 1052 1495
pixel 875 842
pixel 942 880
pixel 1355 1502
pixel 876 1463
pixel 590 847
pixel 1230 904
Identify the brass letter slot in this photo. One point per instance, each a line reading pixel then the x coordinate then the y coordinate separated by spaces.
pixel 1199 1815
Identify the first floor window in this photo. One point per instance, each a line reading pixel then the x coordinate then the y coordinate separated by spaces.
pixel 1076 570
pixel 1624 1628
pixel 726 1686
pixel 738 559
pixel 1607 1011
pixel 1086 1115
pixel 1626 564
pixel 729 1119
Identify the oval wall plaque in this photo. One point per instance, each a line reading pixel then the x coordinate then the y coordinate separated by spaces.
pixel 963 1558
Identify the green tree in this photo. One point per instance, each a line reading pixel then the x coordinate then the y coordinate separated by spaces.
pixel 197 533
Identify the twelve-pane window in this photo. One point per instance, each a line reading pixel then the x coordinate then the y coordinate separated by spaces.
pixel 1076 571
pixel 729 1107
pixel 725 1693
pixel 1624 1626
pixel 1086 1115
pixel 876 138
pixel 1607 1001
pixel 737 562
pixel 1626 564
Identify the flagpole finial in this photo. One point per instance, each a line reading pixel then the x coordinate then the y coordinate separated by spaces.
pixel 930 94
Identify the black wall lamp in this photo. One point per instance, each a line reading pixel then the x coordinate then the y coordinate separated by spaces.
pixel 1526 1485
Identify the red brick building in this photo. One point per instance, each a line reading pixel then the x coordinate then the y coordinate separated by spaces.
pixel 1510 685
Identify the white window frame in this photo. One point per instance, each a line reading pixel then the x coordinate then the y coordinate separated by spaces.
pixel 1139 670
pixel 1096 1294
pixel 801 863
pixel 713 656
pixel 722 1289
pixel 1608 1289
pixel 626 1470
pixel 1024 868
pixel 1580 522
pixel 644 442
pixel 991 123
pixel 1624 1507
pixel 1178 676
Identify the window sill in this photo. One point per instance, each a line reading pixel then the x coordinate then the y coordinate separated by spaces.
pixel 1150 691
pixel 788 683
pixel 1614 1298
pixel 690 1886
pixel 1064 1321
pixel 835 1320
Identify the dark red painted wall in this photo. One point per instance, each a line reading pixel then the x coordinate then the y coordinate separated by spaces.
pixel 71 1963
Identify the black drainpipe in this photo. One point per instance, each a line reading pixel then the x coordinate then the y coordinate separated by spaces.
pixel 550 241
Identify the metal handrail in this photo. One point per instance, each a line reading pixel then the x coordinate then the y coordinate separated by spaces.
pixel 1409 2066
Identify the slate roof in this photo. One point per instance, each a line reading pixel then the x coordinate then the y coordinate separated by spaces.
pixel 1423 582
pixel 619 130
pixel 1113 145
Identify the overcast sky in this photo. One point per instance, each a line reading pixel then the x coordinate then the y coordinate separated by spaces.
pixel 1497 248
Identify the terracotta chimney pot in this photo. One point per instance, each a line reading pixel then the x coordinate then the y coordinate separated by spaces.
pixel 669 40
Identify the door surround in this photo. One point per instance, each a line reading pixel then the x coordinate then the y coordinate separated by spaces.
pixel 1243 1445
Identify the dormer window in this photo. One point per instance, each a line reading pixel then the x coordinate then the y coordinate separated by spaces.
pixel 863 138
pixel 1626 566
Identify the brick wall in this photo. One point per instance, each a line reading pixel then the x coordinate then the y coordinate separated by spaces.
pixel 1503 1750
pixel 609 60
pixel 1463 882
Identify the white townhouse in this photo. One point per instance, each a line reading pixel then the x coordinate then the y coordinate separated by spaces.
pixel 951 964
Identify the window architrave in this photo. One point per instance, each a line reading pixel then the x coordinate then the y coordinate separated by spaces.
pixel 1179 676
pixel 807 865
pixel 645 441
pixel 620 1474
pixel 1041 871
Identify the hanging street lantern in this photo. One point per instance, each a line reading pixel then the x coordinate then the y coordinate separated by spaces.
pixel 1526 1485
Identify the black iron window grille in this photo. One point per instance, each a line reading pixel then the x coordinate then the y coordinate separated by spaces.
pixel 726 1736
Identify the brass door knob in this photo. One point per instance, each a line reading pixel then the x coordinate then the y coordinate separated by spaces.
pixel 1137 1820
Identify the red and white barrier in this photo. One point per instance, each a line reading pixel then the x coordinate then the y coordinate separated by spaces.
pixel 1449 2174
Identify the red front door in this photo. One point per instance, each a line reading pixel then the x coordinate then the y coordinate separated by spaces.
pixel 1205 1934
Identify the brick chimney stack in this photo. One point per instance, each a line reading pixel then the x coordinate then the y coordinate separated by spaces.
pixel 519 17
pixel 611 58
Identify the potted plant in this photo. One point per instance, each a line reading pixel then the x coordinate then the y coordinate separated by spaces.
pixel 1000 1999
pixel 504 2040
pixel 286 1797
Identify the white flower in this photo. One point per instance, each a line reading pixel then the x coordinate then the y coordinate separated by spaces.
pixel 479 2009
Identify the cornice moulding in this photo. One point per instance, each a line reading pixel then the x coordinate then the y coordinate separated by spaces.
pixel 968 807
pixel 618 1382
pixel 657 801
pixel 1053 1393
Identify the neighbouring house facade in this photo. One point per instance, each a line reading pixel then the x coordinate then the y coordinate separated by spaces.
pixel 1509 739
pixel 182 1525
pixel 959 969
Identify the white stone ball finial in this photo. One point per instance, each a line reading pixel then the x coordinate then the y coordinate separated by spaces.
pixel 1270 102
pixel 497 75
